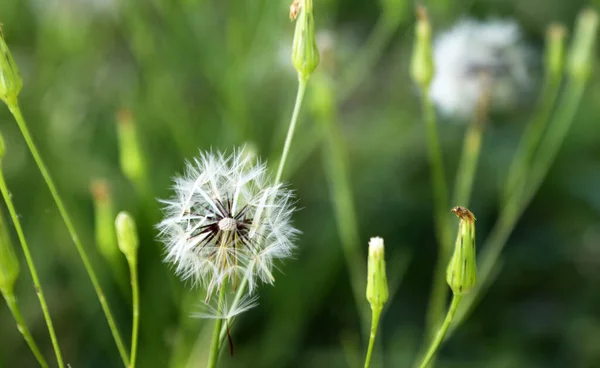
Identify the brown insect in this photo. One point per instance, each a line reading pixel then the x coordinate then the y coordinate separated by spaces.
pixel 463 213
pixel 295 9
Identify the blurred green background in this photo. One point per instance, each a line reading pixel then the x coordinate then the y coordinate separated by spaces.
pixel 200 74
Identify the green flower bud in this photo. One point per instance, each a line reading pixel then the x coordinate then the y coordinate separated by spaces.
pixel 9 264
pixel 305 53
pixel 422 67
pixel 127 235
pixel 377 288
pixel 104 214
pixel 131 156
pixel 582 48
pixel 10 79
pixel 555 50
pixel 462 269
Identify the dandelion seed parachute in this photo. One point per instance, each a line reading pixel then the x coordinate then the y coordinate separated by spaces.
pixel 227 221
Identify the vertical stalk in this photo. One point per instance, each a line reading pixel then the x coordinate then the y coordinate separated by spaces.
pixel 32 269
pixel 216 341
pixel 16 112
pixel 135 293
pixel 11 301
pixel 376 314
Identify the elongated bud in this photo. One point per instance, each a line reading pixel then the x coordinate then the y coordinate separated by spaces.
pixel 305 53
pixel 555 50
pixel 377 289
pixel 127 235
pixel 9 264
pixel 581 53
pixel 10 79
pixel 104 213
pixel 421 67
pixel 462 269
pixel 130 153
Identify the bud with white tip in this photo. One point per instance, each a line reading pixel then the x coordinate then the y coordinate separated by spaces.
pixel 377 288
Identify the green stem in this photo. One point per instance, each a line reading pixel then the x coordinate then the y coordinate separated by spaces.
pixel 439 289
pixel 439 337
pixel 290 134
pixel 517 203
pixel 16 111
pixel 468 164
pixel 34 275
pixel 376 313
pixel 215 346
pixel 241 290
pixel 11 301
pixel 135 292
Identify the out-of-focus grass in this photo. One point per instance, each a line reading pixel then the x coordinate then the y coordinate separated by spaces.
pixel 202 74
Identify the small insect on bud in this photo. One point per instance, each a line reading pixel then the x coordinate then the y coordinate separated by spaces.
pixel 127 235
pixel 377 288
pixel 10 79
pixel 555 50
pixel 462 269
pixel 305 53
pixel 421 67
pixel 582 48
pixel 9 265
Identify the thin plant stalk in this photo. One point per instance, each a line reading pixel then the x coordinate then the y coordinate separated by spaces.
pixel 32 269
pixel 439 337
pixel 215 346
pixel 135 293
pixel 11 301
pixel 439 290
pixel 517 204
pixel 376 314
pixel 16 112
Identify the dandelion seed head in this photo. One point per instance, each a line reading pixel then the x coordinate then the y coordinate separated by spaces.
pixel 225 221
pixel 471 50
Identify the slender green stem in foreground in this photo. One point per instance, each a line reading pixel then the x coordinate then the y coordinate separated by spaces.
pixel 439 289
pixel 374 323
pixel 517 204
pixel 236 300
pixel 468 164
pixel 11 301
pixel 135 293
pixel 16 111
pixel 215 346
pixel 290 134
pixel 439 337
pixel 34 275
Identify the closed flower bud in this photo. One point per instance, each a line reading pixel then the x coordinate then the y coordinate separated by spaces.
pixel 555 50
pixel 9 265
pixel 131 156
pixel 10 79
pixel 104 213
pixel 127 235
pixel 421 67
pixel 582 49
pixel 305 53
pixel 377 288
pixel 462 269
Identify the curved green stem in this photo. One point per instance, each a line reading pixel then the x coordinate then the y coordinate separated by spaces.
pixel 36 281
pixel 376 314
pixel 11 301
pixel 16 111
pixel 215 346
pixel 135 292
pixel 290 134
pixel 439 337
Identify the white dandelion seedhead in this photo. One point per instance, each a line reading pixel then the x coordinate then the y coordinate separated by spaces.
pixel 212 309
pixel 472 51
pixel 226 221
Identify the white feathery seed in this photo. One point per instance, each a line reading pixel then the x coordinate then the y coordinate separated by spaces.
pixel 226 221
pixel 472 50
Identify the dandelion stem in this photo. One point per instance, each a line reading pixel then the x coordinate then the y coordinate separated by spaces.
pixel 216 338
pixel 135 293
pixel 439 289
pixel 16 111
pixel 11 301
pixel 241 290
pixel 439 337
pixel 290 134
pixel 374 323
pixel 32 269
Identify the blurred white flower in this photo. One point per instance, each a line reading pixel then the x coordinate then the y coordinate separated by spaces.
pixel 473 56
pixel 226 221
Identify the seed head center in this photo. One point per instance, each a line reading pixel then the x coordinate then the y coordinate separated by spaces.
pixel 227 224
